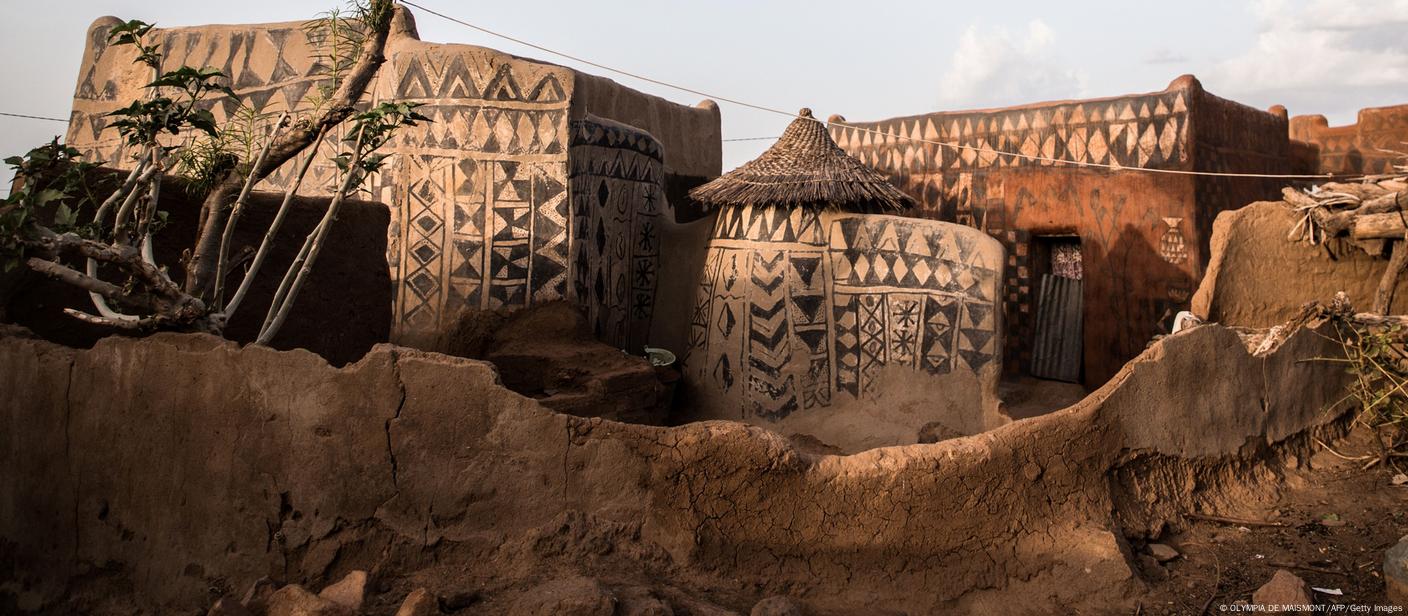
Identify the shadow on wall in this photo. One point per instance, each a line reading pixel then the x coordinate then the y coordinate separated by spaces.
pixel 382 462
pixel 1144 293
pixel 479 198
pixel 343 310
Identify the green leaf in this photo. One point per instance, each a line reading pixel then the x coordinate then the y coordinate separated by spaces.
pixel 43 197
pixel 65 217
pixel 203 120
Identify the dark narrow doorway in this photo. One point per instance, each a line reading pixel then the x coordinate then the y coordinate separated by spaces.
pixel 1058 350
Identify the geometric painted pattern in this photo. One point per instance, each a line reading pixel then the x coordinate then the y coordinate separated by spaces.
pixel 271 69
pixel 965 185
pixel 479 196
pixel 618 201
pixel 914 295
pixel 798 306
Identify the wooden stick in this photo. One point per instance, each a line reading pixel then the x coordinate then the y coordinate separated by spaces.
pixel 119 324
pixel 1288 565
pixel 1397 262
pixel 1388 225
pixel 1234 521
pixel 73 277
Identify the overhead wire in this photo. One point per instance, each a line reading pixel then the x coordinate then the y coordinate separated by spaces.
pixel 956 146
pixel 32 117
pixel 764 108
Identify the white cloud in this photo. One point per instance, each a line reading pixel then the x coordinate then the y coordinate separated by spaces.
pixel 993 67
pixel 1164 55
pixel 1317 56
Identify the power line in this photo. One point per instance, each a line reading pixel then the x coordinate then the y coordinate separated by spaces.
pixel 750 139
pixel 32 117
pixel 956 146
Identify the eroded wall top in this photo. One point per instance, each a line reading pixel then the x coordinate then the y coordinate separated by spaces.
pixel 1359 147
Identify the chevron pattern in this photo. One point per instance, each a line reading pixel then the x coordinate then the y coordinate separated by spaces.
pixel 771 389
pixel 823 317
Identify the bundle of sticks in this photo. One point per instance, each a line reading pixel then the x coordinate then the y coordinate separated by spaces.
pixel 1372 213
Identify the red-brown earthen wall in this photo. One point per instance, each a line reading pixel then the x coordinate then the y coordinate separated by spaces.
pixel 1359 147
pixel 1144 234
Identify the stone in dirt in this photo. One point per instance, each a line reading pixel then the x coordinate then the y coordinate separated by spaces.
pixel 776 605
pixel 349 592
pixel 640 601
pixel 295 600
pixel 936 431
pixel 1396 573
pixel 567 597
pixel 419 603
pixel 1283 589
pixel 1162 552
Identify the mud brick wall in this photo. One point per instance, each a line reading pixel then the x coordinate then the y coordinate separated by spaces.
pixel 479 198
pixel 177 464
pixel 1359 147
pixel 1258 279
pixel 1145 234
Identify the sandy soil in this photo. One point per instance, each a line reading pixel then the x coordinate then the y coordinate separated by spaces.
pixel 1330 527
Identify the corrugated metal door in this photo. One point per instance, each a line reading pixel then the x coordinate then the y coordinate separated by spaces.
pixel 1059 329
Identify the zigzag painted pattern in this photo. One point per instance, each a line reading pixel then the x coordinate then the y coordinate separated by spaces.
pixel 772 393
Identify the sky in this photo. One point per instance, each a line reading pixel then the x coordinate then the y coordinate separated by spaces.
pixel 863 60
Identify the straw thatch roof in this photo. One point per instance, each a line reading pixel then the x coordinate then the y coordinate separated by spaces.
pixel 804 168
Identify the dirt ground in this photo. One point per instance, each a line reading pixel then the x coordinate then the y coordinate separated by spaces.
pixel 1031 397
pixel 1330 527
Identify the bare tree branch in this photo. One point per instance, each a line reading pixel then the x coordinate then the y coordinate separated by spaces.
pixel 238 209
pixel 115 323
pixel 200 271
pixel 73 277
pixel 292 284
pixel 271 233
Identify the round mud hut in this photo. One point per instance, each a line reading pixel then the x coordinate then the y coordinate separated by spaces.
pixel 813 298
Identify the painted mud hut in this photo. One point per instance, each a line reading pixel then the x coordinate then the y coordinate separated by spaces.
pixel 1095 247
pixel 811 297
pixel 480 198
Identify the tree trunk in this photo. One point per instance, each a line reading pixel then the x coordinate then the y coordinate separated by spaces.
pixel 1383 297
pixel 201 269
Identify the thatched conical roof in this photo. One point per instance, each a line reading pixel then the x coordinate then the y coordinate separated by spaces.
pixel 804 168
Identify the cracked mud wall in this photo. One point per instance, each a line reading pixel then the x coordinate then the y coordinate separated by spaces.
pixel 235 463
pixel 1258 278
